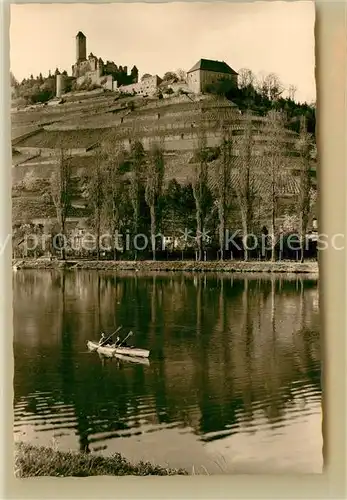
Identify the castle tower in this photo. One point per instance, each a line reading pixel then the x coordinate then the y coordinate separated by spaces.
pixel 100 66
pixel 135 74
pixel 60 85
pixel 81 47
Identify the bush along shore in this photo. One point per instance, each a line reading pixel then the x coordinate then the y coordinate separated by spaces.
pixel 310 267
pixel 40 461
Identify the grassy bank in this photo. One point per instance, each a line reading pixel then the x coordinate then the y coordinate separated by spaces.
pixel 215 266
pixel 39 461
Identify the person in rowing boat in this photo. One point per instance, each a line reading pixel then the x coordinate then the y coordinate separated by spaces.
pixel 121 344
pixel 104 341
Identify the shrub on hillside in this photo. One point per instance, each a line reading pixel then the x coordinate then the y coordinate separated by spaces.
pixel 35 90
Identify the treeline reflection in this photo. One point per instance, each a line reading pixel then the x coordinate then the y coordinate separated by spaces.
pixel 225 350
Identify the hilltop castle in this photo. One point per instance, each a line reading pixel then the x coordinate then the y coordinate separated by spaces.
pixel 111 77
pixel 95 68
pixel 108 75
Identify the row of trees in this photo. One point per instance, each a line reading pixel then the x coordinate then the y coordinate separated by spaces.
pixel 37 89
pixel 34 90
pixel 125 189
pixel 38 79
pixel 263 94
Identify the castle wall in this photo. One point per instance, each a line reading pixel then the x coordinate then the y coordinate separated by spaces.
pixel 107 82
pixel 179 86
pixel 21 137
pixel 193 80
pixel 93 76
pixel 93 62
pixel 45 152
pixel 40 172
pixel 146 87
pixel 174 142
pixel 80 68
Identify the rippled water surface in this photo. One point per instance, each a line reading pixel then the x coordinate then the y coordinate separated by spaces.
pixel 233 382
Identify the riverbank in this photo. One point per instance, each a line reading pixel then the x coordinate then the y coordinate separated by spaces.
pixel 39 461
pixel 310 267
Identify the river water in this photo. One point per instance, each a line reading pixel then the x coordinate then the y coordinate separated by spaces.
pixel 233 380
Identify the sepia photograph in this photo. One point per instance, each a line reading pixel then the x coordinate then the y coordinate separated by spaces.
pixel 165 244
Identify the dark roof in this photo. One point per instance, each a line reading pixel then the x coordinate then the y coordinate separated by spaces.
pixel 80 35
pixel 209 65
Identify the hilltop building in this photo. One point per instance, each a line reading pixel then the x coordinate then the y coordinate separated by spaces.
pixel 108 74
pixel 202 74
pixel 206 72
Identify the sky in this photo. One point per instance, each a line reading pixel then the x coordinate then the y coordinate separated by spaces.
pixel 266 37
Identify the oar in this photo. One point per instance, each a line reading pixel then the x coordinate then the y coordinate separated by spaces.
pixel 119 328
pixel 130 333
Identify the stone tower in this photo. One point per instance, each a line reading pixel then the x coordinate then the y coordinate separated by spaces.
pixel 81 47
pixel 60 81
pixel 100 67
pixel 134 74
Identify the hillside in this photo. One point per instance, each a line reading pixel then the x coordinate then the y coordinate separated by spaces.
pixel 83 120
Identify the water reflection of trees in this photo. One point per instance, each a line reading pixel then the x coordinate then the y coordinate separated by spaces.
pixel 221 347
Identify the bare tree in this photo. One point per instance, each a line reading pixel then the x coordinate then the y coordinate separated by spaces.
pixel 153 189
pixel 274 85
pixel 181 74
pixel 169 75
pixel 114 190
pixel 270 86
pixel 146 75
pixel 199 186
pixel 307 152
pixel 274 163
pixel 246 78
pixel 222 191
pixel 292 89
pixel 261 86
pixel 94 191
pixel 61 193
pixel 137 159
pixel 244 180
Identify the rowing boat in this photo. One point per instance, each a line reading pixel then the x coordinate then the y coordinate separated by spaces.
pixel 132 359
pixel 111 350
pixel 132 351
pixel 106 350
